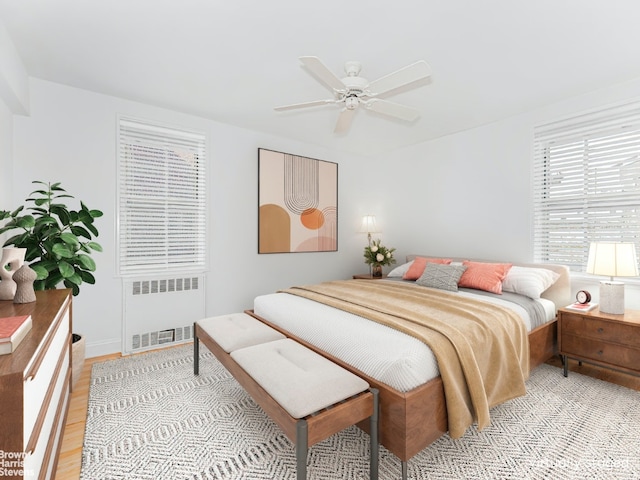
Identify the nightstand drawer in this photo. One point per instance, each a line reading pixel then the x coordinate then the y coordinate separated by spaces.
pixel 600 330
pixel 597 350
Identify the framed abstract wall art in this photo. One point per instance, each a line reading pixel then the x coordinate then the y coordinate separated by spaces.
pixel 297 203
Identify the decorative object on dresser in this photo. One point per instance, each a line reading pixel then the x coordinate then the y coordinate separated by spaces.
pixel 35 386
pixel 12 259
pixel 24 278
pixel 613 259
pixel 58 240
pixel 12 331
pixel 607 340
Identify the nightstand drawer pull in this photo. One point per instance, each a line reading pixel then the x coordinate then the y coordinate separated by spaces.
pixel 600 330
pixel 600 352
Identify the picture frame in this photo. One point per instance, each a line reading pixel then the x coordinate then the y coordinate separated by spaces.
pixel 297 203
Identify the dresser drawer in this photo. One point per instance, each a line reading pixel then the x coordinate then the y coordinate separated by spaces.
pixel 600 330
pixel 38 378
pixel 35 385
pixel 39 458
pixel 593 349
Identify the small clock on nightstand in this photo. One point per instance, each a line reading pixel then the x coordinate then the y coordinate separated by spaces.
pixel 583 297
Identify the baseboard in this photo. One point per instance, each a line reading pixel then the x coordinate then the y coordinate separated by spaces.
pixel 106 347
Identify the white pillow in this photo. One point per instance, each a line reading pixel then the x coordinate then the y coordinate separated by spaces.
pixel 529 281
pixel 400 270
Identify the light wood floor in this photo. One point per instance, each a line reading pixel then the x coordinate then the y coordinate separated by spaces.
pixel 70 457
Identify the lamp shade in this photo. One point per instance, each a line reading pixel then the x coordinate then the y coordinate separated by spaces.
pixel 369 224
pixel 612 259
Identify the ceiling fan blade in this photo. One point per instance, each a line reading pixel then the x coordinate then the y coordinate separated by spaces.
pixel 392 109
pixel 344 120
pixel 322 73
pixel 304 105
pixel 400 78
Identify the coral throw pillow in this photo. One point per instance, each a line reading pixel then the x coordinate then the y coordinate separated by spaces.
pixel 417 267
pixel 484 276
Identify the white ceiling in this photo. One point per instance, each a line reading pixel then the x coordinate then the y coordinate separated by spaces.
pixel 233 61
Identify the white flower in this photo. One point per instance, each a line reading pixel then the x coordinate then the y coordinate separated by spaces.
pixel 388 254
pixel 374 248
pixel 379 257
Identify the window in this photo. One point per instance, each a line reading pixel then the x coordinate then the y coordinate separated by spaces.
pixel 161 198
pixel 586 184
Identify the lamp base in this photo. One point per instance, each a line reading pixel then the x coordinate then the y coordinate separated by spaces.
pixel 612 297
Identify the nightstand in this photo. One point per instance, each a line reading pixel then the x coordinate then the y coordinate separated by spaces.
pixel 367 276
pixel 603 339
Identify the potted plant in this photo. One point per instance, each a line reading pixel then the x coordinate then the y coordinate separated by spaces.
pixel 378 255
pixel 59 243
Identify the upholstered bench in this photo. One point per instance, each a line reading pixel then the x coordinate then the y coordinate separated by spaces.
pixel 235 330
pixel 309 397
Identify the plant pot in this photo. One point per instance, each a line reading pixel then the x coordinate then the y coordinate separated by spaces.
pixel 376 271
pixel 77 357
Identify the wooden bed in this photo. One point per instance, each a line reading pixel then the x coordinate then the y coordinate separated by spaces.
pixel 410 421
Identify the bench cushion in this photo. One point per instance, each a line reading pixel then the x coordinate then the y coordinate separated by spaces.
pixel 238 330
pixel 299 379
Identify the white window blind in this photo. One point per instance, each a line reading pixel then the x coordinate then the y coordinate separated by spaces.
pixel 586 184
pixel 161 198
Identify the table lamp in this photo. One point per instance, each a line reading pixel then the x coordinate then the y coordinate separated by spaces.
pixel 369 226
pixel 613 259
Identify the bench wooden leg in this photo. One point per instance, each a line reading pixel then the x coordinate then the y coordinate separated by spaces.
pixel 302 440
pixel 373 437
pixel 196 352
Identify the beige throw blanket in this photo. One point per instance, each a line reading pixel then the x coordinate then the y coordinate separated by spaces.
pixel 482 349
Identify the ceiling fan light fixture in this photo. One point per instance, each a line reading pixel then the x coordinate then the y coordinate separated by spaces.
pixel 351 102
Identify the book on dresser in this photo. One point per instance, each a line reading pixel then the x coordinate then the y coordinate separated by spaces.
pixel 12 331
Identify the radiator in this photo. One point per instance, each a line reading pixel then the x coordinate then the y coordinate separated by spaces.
pixel 160 311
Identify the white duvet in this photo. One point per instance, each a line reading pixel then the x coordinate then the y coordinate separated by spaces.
pixel 391 357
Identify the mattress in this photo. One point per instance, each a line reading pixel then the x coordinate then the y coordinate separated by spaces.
pixel 387 355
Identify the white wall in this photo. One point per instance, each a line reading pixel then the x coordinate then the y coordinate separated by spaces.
pixel 14 98
pixel 14 84
pixel 6 159
pixel 466 194
pixel 469 194
pixel 70 136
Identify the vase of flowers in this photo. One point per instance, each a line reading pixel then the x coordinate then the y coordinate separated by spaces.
pixel 377 255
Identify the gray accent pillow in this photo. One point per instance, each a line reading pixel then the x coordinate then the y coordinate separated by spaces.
pixel 444 277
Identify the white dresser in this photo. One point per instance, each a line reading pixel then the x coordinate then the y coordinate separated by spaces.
pixel 35 383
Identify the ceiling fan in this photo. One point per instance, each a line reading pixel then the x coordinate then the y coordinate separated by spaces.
pixel 354 91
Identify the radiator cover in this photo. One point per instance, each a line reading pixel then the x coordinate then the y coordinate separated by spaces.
pixel 160 311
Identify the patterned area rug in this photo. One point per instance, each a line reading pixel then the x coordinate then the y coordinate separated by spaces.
pixel 149 417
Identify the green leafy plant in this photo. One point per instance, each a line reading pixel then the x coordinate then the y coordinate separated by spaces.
pixel 377 254
pixel 59 241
